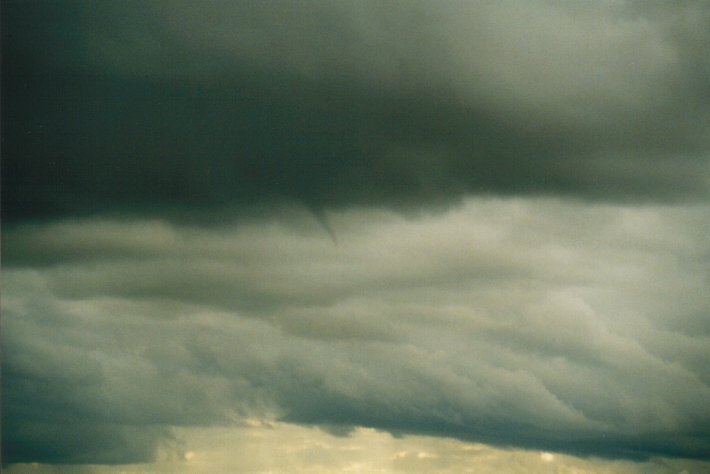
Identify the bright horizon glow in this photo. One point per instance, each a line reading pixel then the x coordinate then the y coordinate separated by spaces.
pixel 282 448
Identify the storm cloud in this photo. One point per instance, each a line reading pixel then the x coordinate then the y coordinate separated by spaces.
pixel 475 221
pixel 541 325
pixel 161 106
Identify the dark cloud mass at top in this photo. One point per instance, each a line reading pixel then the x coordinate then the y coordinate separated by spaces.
pixel 154 107
pixel 558 300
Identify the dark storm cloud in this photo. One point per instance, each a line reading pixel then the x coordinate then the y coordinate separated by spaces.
pixel 534 324
pixel 160 106
pixel 580 327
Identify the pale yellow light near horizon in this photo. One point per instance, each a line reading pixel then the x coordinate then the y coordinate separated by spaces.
pixel 262 447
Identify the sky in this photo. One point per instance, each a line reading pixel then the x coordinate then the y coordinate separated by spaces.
pixel 355 236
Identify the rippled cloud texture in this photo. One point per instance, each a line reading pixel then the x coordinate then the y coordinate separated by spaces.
pixel 534 324
pixel 475 226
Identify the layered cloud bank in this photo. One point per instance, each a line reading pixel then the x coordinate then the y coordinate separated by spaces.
pixel 536 324
pixel 478 221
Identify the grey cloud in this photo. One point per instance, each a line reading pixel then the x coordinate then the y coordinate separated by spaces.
pixel 576 326
pixel 174 108
pixel 537 324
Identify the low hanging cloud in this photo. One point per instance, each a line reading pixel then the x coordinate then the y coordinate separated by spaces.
pixel 537 324
pixel 482 221
pixel 178 107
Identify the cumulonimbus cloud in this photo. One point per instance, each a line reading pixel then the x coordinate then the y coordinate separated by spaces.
pixel 543 324
pixel 154 108
pixel 161 270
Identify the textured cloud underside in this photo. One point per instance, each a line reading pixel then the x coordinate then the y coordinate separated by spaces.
pixel 483 221
pixel 538 324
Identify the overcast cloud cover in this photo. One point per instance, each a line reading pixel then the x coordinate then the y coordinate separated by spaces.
pixel 474 222
pixel 158 106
